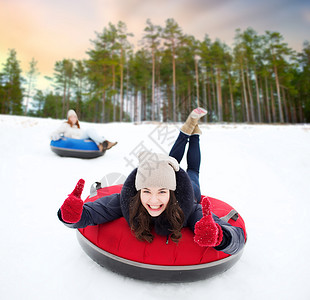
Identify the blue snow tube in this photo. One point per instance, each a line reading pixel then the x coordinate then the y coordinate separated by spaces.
pixel 76 148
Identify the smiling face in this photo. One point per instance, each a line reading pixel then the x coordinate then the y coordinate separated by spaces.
pixel 155 200
pixel 73 119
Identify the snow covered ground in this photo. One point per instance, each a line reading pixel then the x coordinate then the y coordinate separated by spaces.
pixel 263 171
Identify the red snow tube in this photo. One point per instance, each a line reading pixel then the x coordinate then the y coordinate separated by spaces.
pixel 114 246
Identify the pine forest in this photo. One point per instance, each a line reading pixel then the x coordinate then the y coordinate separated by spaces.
pixel 259 79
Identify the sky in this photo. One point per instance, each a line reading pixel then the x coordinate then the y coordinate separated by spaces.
pixel 50 31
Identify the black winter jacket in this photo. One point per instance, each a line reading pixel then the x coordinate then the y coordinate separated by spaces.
pixel 115 206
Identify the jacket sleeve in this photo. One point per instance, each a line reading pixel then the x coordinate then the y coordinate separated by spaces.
pixel 59 131
pixel 62 128
pixel 233 237
pixel 102 210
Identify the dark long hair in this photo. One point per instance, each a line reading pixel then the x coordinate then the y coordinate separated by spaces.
pixel 141 222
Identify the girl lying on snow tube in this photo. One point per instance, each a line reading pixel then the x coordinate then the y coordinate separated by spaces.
pixel 158 199
pixel 71 129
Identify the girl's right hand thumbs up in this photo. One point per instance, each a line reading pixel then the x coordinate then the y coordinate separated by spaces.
pixel 72 208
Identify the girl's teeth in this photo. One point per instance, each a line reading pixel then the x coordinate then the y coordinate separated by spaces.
pixel 154 207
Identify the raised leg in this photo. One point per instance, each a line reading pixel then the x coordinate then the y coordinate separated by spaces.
pixel 178 149
pixel 193 164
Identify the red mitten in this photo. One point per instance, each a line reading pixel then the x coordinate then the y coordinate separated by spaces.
pixel 207 232
pixel 72 208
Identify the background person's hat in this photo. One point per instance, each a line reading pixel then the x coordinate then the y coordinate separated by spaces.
pixel 70 113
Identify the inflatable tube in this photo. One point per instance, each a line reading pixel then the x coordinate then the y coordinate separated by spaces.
pixel 113 246
pixel 76 148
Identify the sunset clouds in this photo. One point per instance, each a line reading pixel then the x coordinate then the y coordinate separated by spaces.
pixel 53 30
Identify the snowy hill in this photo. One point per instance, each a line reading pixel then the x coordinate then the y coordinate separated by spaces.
pixel 263 171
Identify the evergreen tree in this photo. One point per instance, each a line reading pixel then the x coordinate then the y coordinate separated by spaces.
pixel 217 51
pixel 38 104
pixel 259 80
pixel 172 33
pixel 12 92
pixel 152 36
pixel 124 46
pixel 207 70
pixel 80 84
pixel 276 51
pixel 30 79
pixel 302 82
pixel 64 82
pixel 53 106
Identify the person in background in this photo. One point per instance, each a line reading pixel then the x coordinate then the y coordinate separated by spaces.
pixel 71 129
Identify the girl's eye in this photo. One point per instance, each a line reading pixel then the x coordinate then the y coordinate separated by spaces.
pixel 163 192
pixel 146 192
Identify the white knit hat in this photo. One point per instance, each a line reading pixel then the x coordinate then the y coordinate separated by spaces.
pixel 70 113
pixel 156 170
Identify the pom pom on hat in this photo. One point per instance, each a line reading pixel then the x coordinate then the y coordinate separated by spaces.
pixel 70 113
pixel 156 170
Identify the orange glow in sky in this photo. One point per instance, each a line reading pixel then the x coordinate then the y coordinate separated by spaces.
pixel 50 31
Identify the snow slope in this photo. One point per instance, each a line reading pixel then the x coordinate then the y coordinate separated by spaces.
pixel 263 171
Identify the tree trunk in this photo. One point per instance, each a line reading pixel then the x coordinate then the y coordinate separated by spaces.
pixel 103 98
pixel 174 85
pixel 184 103
pixel 178 107
pixel 262 100
pixel 79 98
pixel 167 104
pixel 141 115
pixel 103 107
pixel 213 93
pixel 153 84
pixel 279 94
pixel 243 110
pixel 209 97
pixel 250 95
pixel 285 107
pixel 293 111
pixel 127 92
pixel 258 98
pixel 245 95
pixel 114 92
pixel 68 94
pixel 204 90
pixel 170 112
pixel 219 94
pixel 231 99
pixel 273 109
pixel 28 95
pixel 136 106
pixel 267 100
pixel 158 96
pixel 189 96
pixel 301 115
pixel 145 102
pixel 121 87
pixel 64 100
pixel 197 82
